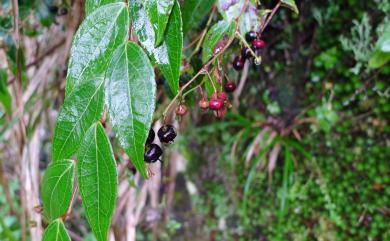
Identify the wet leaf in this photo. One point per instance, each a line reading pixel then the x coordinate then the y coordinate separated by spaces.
pixel 159 12
pixel 92 5
pixel 131 88
pixel 56 231
pixel 98 180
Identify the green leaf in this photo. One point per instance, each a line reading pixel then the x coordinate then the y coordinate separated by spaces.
pixel 168 55
pixel 381 54
pixel 92 5
pixel 291 5
pixel 159 12
pixel 56 231
pixel 57 188
pixel 98 36
pixel 98 180
pixel 81 109
pixel 130 92
pixel 221 31
pixel 5 97
pixel 194 11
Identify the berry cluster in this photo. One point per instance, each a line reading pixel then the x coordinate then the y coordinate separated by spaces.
pixel 246 53
pixel 153 152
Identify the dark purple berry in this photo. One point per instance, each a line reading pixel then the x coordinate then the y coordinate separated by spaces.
pixel 153 153
pixel 246 53
pixel 150 137
pixel 250 36
pixel 230 86
pixel 258 44
pixel 238 63
pixel 166 134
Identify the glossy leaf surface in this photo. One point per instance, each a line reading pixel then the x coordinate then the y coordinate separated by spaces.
pixel 168 55
pixel 80 110
pixel 218 34
pixel 131 88
pixel 98 180
pixel 56 231
pixel 159 12
pixel 95 41
pixel 92 5
pixel 57 188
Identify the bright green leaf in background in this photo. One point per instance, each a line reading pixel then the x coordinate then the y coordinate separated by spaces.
pixel 168 55
pixel 159 12
pixel 98 36
pixel 291 5
pixel 130 92
pixel 194 11
pixel 80 110
pixel 221 31
pixel 57 188
pixel 381 53
pixel 5 97
pixel 56 231
pixel 92 5
pixel 98 180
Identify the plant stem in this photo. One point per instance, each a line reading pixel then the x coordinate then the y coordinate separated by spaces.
pixel 242 39
pixel 205 67
pixel 270 16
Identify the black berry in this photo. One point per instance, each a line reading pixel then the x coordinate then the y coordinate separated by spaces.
pixel 246 53
pixel 153 153
pixel 166 134
pixel 230 86
pixel 238 63
pixel 150 137
pixel 250 36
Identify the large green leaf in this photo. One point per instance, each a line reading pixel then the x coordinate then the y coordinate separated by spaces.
pixel 130 92
pixel 159 12
pixel 98 180
pixel 98 36
pixel 291 5
pixel 5 97
pixel 194 11
pixel 56 231
pixel 92 5
pixel 221 31
pixel 81 109
pixel 57 188
pixel 168 55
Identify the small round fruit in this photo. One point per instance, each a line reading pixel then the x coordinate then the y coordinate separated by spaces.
pixel 152 153
pixel 238 63
pixel 216 104
pixel 246 53
pixel 166 134
pixel 151 136
pixel 203 104
pixel 250 36
pixel 258 44
pixel 220 113
pixel 181 110
pixel 222 95
pixel 230 86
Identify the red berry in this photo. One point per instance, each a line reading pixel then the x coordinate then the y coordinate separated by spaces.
pixel 181 110
pixel 216 104
pixel 230 86
pixel 220 113
pixel 258 44
pixel 238 63
pixel 222 95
